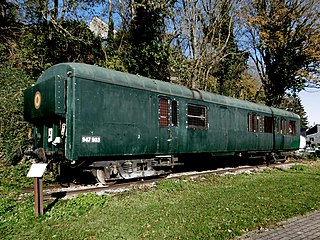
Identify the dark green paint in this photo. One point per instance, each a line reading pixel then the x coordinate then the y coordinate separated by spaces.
pixel 122 111
pixel 51 103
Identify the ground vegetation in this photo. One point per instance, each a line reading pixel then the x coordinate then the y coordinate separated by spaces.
pixel 208 207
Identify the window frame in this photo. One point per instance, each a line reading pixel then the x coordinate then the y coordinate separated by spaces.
pixel 292 128
pixel 174 113
pixel 195 120
pixel 163 112
pixel 268 124
pixel 253 122
pixel 259 123
pixel 168 112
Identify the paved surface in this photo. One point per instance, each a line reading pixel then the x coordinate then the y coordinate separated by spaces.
pixel 306 228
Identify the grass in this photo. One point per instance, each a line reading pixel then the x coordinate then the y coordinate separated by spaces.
pixel 211 207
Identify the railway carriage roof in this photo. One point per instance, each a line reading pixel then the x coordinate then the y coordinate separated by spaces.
pixel 99 74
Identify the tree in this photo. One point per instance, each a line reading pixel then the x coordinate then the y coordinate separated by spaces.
pixel 284 44
pixel 148 53
pixel 44 47
pixel 234 62
pixel 51 32
pixel 203 32
pixel 9 30
pixel 113 46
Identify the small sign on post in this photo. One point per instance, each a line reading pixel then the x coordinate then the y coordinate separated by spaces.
pixel 36 171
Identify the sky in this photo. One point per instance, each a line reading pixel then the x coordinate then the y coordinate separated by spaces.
pixel 310 99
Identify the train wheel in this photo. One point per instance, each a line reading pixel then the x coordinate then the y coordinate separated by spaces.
pixel 100 176
pixel 282 160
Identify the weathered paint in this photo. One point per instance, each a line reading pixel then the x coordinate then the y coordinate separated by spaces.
pixel 45 100
pixel 109 113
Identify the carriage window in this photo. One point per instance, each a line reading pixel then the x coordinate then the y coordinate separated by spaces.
pixel 197 116
pixel 292 128
pixel 257 123
pixel 286 127
pixel 174 111
pixel 268 124
pixel 253 122
pixel 163 112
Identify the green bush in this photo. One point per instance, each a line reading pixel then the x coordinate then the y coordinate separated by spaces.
pixel 13 128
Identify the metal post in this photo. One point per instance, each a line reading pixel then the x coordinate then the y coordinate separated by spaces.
pixel 38 196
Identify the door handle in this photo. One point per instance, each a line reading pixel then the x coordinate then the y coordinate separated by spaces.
pixel 169 135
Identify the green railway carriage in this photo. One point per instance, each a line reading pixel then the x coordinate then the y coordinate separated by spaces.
pixel 127 126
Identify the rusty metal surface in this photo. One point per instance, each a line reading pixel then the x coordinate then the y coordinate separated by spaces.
pixel 38 196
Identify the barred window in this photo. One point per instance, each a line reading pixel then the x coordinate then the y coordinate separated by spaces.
pixel 197 116
pixel 163 112
pixel 260 123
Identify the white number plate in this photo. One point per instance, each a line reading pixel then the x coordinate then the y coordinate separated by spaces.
pixel 91 139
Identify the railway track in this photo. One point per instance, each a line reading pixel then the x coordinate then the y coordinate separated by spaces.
pixel 58 192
